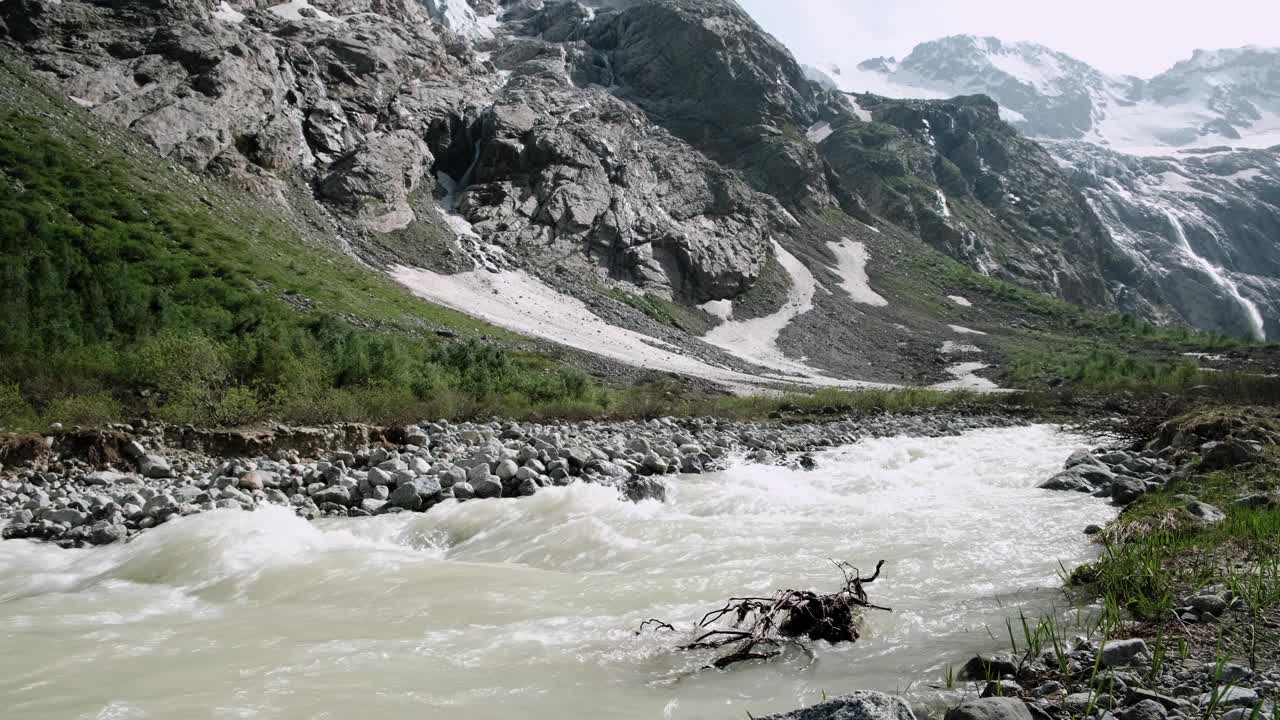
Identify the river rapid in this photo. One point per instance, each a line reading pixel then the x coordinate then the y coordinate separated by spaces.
pixel 528 608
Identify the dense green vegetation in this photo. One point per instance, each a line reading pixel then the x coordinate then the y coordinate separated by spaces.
pixel 130 286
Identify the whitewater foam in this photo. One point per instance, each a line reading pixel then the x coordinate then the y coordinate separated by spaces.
pixel 474 608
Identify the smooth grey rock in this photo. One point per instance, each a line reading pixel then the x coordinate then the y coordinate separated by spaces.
pixel 155 467
pixel 337 495
pixel 506 470
pixel 988 668
pixel 992 708
pixel 486 487
pixel 463 491
pixel 104 477
pixel 254 480
pixel 1206 513
pixel 1230 697
pixel 859 705
pixel 378 476
pixel 1122 652
pixel 1125 490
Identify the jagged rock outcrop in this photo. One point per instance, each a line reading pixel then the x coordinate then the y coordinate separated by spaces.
pixel 368 101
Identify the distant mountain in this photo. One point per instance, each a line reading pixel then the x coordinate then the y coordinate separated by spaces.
pixel 1182 168
pixel 1223 97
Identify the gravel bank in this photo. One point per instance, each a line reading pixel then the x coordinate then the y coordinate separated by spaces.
pixel 80 489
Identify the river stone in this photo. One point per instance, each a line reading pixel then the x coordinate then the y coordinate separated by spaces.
pixel 1213 605
pixel 1144 710
pixel 378 476
pixel 526 488
pixel 462 491
pixel 1122 652
pixel 639 488
pixel 506 470
pixel 980 668
pixel 992 708
pixel 1126 490
pixel 253 480
pixel 154 467
pixel 578 457
pixel 1231 697
pixel 486 487
pixel 1080 457
pixel 105 533
pixel 104 477
pixel 858 705
pixel 337 495
pixel 1206 513
pixel 1067 480
pixel 1002 688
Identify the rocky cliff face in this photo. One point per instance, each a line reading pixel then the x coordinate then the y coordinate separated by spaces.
pixel 953 172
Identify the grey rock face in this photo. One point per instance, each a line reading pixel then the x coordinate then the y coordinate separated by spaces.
pixel 860 705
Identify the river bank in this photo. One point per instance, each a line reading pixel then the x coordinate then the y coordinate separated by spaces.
pixel 102 487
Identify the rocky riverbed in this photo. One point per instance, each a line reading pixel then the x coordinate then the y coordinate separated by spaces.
pixel 1137 677
pixel 97 488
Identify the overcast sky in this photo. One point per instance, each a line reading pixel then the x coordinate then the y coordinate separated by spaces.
pixel 1134 37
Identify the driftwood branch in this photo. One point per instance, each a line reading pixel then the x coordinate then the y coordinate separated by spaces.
pixel 760 628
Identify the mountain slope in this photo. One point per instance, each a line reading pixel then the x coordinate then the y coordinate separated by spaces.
pixel 539 166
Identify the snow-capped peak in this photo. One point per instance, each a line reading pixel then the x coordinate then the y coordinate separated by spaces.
pixel 1216 97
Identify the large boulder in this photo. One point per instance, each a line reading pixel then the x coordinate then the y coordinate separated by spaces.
pixel 859 705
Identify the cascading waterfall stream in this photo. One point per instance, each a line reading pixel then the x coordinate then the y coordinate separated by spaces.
pixel 529 607
pixel 1219 276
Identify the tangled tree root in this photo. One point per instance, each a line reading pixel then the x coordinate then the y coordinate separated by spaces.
pixel 759 628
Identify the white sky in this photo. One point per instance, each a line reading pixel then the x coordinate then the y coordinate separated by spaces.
pixel 1134 37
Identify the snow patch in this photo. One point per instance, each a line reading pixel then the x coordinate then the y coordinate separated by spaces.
pixel 756 340
pixel 292 10
pixel 522 303
pixel 962 330
pixel 1010 115
pixel 943 207
pixel 951 347
pixel 966 379
pixel 819 131
pixel 962 302
pixel 722 309
pixel 860 112
pixel 226 13
pixel 851 266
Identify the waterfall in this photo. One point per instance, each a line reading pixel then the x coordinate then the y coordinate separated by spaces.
pixel 1220 277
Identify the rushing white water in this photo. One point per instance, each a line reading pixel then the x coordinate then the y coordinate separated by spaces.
pixel 527 608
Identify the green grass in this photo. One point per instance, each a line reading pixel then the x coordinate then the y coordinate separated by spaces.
pixel 1156 552
pixel 129 286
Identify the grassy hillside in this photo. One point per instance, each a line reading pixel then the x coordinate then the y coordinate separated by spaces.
pixel 129 285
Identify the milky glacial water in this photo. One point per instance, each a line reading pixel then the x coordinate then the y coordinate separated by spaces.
pixel 527 608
